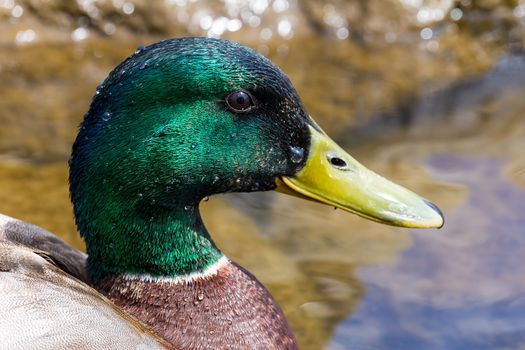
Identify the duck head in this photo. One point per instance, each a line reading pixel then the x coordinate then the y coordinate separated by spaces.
pixel 188 118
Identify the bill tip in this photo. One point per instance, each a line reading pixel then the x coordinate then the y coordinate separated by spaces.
pixel 438 211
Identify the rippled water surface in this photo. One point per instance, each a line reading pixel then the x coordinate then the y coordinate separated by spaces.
pixel 429 94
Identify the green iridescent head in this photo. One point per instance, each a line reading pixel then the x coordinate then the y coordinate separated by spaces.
pixel 178 121
pixel 187 118
pixel 161 126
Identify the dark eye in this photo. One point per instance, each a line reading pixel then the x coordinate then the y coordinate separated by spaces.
pixel 240 101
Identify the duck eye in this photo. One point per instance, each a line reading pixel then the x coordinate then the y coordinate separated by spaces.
pixel 240 101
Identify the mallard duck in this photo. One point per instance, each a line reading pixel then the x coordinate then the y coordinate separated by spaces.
pixel 174 123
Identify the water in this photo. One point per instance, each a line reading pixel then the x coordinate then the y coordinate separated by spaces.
pixel 459 289
pixel 297 154
pixel 435 106
pixel 106 116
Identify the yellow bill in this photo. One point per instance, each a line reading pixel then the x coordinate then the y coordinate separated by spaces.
pixel 333 177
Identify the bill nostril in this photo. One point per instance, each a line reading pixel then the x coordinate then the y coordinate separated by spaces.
pixel 338 162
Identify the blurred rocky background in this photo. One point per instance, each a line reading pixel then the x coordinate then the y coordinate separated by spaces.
pixel 351 60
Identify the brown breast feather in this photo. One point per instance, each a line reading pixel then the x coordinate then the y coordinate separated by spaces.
pixel 229 310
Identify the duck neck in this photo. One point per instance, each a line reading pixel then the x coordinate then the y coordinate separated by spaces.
pixel 154 242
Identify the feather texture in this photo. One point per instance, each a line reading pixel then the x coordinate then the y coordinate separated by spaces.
pixel 44 307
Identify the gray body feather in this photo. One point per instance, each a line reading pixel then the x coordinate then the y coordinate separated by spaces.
pixel 44 303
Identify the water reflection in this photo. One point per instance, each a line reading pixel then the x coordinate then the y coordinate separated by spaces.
pixel 459 289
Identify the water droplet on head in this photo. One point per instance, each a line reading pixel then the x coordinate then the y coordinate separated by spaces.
pixel 187 207
pixel 200 296
pixel 144 65
pixel 140 194
pixel 106 116
pixel 193 146
pixel 206 199
pixel 297 154
pixel 99 89
pixel 140 49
